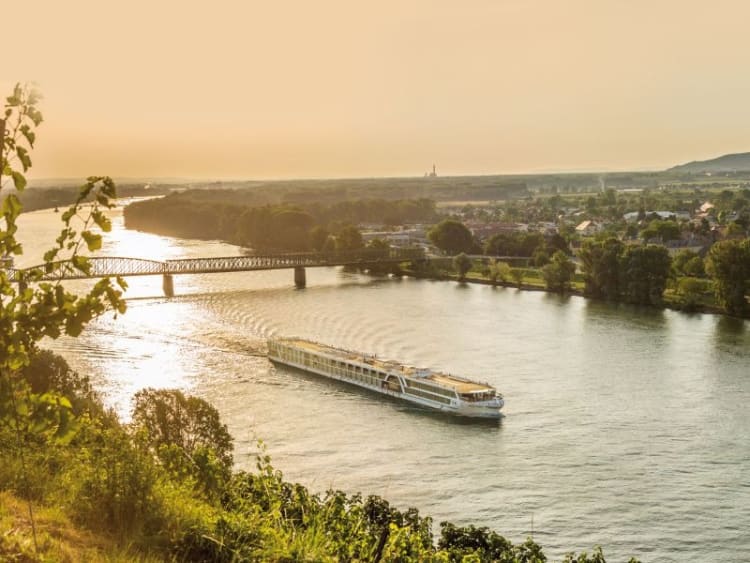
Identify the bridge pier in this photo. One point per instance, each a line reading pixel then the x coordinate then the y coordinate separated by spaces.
pixel 168 285
pixel 300 278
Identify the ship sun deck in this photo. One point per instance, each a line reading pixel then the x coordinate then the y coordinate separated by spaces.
pixel 436 389
pixel 460 384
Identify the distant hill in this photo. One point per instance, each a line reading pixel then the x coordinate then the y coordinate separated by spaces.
pixel 739 162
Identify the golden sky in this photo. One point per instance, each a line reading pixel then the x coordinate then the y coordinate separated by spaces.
pixel 346 88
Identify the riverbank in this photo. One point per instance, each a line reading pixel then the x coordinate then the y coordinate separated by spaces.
pixel 670 301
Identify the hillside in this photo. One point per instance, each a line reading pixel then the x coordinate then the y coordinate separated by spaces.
pixel 739 162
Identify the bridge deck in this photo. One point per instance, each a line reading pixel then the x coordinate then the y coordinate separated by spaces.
pixel 119 266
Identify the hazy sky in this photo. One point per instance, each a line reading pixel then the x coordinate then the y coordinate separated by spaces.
pixel 345 88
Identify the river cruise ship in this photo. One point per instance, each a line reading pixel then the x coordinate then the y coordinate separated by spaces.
pixel 444 392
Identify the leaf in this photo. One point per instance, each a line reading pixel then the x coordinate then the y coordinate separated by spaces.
pixel 102 221
pixel 85 190
pixel 19 181
pixel 81 263
pixel 108 189
pixel 34 97
pixel 35 116
pixel 23 156
pixel 11 206
pixel 29 134
pixel 93 241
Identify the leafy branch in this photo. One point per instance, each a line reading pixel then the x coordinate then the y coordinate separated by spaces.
pixel 32 308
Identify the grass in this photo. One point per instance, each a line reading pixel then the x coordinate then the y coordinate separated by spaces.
pixel 58 539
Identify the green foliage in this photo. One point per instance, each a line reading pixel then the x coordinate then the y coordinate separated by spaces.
pixel 349 238
pixel 462 264
pixel 28 314
pixel 318 237
pixel 559 272
pixel 688 263
pixel 230 216
pixel 634 274
pixel 644 272
pixel 596 557
pixel 661 230
pixel 109 486
pixel 452 237
pixel 540 258
pixel 499 271
pixel 186 435
pixel 517 275
pixel 728 263
pixel 524 244
pixel 600 268
pixel 691 291
pixel 482 545
pixel 49 373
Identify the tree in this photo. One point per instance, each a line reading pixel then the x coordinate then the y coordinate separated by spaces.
pixel 462 264
pixel 694 267
pixel 349 238
pixel 662 230
pixel 521 244
pixel 49 373
pixel 451 236
pixel 687 263
pixel 600 268
pixel 644 274
pixel 517 275
pixel 728 263
pixel 690 291
pixel 499 271
pixel 290 229
pixel 186 434
pixel 540 258
pixel 559 272
pixel 318 237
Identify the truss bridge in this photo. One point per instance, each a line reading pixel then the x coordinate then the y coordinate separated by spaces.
pixel 118 266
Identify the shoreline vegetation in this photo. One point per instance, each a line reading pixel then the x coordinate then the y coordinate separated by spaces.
pixel 537 284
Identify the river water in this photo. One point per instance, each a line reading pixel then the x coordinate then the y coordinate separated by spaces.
pixel 624 427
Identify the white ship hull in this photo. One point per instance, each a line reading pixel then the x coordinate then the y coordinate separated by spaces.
pixel 389 378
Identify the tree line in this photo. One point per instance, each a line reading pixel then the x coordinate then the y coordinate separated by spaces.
pixel 611 269
pixel 271 227
pixel 453 237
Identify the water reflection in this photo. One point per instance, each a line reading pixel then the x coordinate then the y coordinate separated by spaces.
pixel 731 336
pixel 625 315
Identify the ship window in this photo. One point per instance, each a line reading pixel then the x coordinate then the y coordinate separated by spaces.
pixel 429 396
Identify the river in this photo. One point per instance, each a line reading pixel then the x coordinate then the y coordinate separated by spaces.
pixel 625 427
